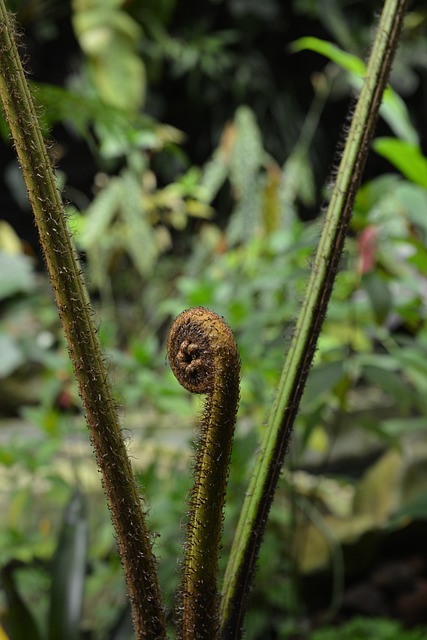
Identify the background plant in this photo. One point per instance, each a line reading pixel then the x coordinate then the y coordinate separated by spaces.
pixel 142 350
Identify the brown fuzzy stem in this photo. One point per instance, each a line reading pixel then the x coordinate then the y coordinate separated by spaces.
pixel 133 537
pixel 204 358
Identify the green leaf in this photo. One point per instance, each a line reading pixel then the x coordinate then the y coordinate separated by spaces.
pixel 11 355
pixel 394 111
pixel 248 153
pixel 246 161
pixel 391 382
pixel 3 635
pixel 69 572
pixel 399 426
pixel 393 108
pixel 100 214
pixel 214 174
pixel 413 361
pixel 16 274
pixel 419 258
pixel 323 378
pixel 118 130
pixel 345 60
pixel 109 37
pixel 120 77
pixel 368 629
pixel 416 509
pixel 379 295
pixel 372 192
pixel 139 238
pixel 299 180
pixel 18 620
pixel 406 157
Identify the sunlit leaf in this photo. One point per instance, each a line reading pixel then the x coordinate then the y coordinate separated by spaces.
pixel 393 108
pixel 3 635
pixel 120 77
pixel 406 157
pixel 109 36
pixel 347 61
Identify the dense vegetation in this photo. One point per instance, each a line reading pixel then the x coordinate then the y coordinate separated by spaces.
pixel 193 147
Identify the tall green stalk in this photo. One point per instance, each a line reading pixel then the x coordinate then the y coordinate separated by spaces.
pixel 133 537
pixel 254 514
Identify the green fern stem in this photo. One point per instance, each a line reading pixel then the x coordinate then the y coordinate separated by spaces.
pixel 133 537
pixel 250 529
pixel 204 358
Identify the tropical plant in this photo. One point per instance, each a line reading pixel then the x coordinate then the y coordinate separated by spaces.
pixel 196 334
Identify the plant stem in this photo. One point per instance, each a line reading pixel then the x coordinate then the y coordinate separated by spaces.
pixel 133 537
pixel 251 526
pixel 204 358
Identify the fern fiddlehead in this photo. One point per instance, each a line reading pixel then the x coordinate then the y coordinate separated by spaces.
pixel 204 358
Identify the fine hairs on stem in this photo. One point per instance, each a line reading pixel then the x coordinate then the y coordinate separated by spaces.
pixel 204 359
pixel 258 499
pixel 133 537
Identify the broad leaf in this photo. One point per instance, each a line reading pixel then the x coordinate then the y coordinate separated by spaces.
pixel 406 157
pixel 393 108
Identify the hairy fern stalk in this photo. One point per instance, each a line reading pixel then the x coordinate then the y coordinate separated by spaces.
pixel 204 358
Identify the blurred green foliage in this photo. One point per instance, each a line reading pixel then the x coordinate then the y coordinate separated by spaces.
pixel 160 232
pixel 365 628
